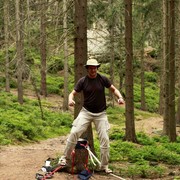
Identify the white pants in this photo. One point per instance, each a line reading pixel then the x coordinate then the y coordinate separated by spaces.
pixel 81 124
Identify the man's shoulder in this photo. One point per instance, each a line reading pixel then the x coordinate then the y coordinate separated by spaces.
pixel 82 79
pixel 104 80
pixel 102 76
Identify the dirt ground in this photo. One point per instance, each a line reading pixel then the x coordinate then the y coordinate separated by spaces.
pixel 23 162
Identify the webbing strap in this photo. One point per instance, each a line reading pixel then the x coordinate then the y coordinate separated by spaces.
pixel 73 161
pixel 51 173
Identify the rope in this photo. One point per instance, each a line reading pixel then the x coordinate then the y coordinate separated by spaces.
pixel 51 173
pixel 93 156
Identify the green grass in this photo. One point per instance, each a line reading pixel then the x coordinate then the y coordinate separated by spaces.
pixel 23 123
pixel 151 97
pixel 148 159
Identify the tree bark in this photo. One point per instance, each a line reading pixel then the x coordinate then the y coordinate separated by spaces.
pixel 6 34
pixel 65 100
pixel 43 90
pixel 20 49
pixel 162 62
pixel 178 65
pixel 143 99
pixel 80 60
pixel 172 121
pixel 166 75
pixel 130 126
pixel 112 53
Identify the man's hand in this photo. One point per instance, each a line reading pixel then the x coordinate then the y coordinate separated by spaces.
pixel 121 100
pixel 71 97
pixel 71 102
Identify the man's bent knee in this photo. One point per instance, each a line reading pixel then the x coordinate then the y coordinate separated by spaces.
pixel 104 143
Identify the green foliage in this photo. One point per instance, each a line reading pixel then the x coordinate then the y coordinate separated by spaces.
pixel 55 85
pixel 145 160
pixel 116 115
pixel 55 64
pixel 116 134
pixel 151 95
pixel 23 123
pixel 163 139
pixel 149 150
pixel 173 147
pixel 143 139
pixel 151 77
pixel 144 170
pixel 158 153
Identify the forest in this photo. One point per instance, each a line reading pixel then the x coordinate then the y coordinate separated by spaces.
pixel 44 45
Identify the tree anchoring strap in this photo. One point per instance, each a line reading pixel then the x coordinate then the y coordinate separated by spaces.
pixel 81 144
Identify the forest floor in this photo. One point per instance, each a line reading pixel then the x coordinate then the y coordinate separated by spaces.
pixel 23 162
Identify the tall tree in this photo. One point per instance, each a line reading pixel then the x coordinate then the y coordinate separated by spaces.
pixel 43 51
pixel 6 34
pixel 169 126
pixel 178 64
pixel 80 51
pixel 19 48
pixel 166 67
pixel 65 100
pixel 112 48
pixel 143 99
pixel 28 21
pixel 80 59
pixel 171 118
pixel 130 126
pixel 163 58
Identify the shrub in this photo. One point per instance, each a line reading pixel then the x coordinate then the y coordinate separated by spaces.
pixel 55 64
pixel 151 76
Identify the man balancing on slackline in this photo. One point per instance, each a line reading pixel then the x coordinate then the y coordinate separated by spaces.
pixel 94 110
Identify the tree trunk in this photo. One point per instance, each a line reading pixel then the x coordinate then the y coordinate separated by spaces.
pixel 143 101
pixel 20 49
pixel 43 90
pixel 65 100
pixel 178 109
pixel 130 126
pixel 162 62
pixel 121 57
pixel 27 25
pixel 172 121
pixel 112 53
pixel 178 66
pixel 6 34
pixel 166 75
pixel 80 59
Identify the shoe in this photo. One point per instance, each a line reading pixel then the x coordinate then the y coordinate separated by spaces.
pixel 106 170
pixel 62 161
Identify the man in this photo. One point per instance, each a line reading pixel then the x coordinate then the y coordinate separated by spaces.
pixel 94 110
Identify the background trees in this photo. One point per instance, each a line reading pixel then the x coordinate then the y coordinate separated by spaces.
pixel 6 43
pixel 41 49
pixel 19 48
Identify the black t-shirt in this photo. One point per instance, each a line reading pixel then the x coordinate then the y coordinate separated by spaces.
pixel 94 92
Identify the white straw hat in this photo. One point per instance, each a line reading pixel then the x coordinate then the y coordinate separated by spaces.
pixel 92 62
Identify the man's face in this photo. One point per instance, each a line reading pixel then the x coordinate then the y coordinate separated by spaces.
pixel 92 71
